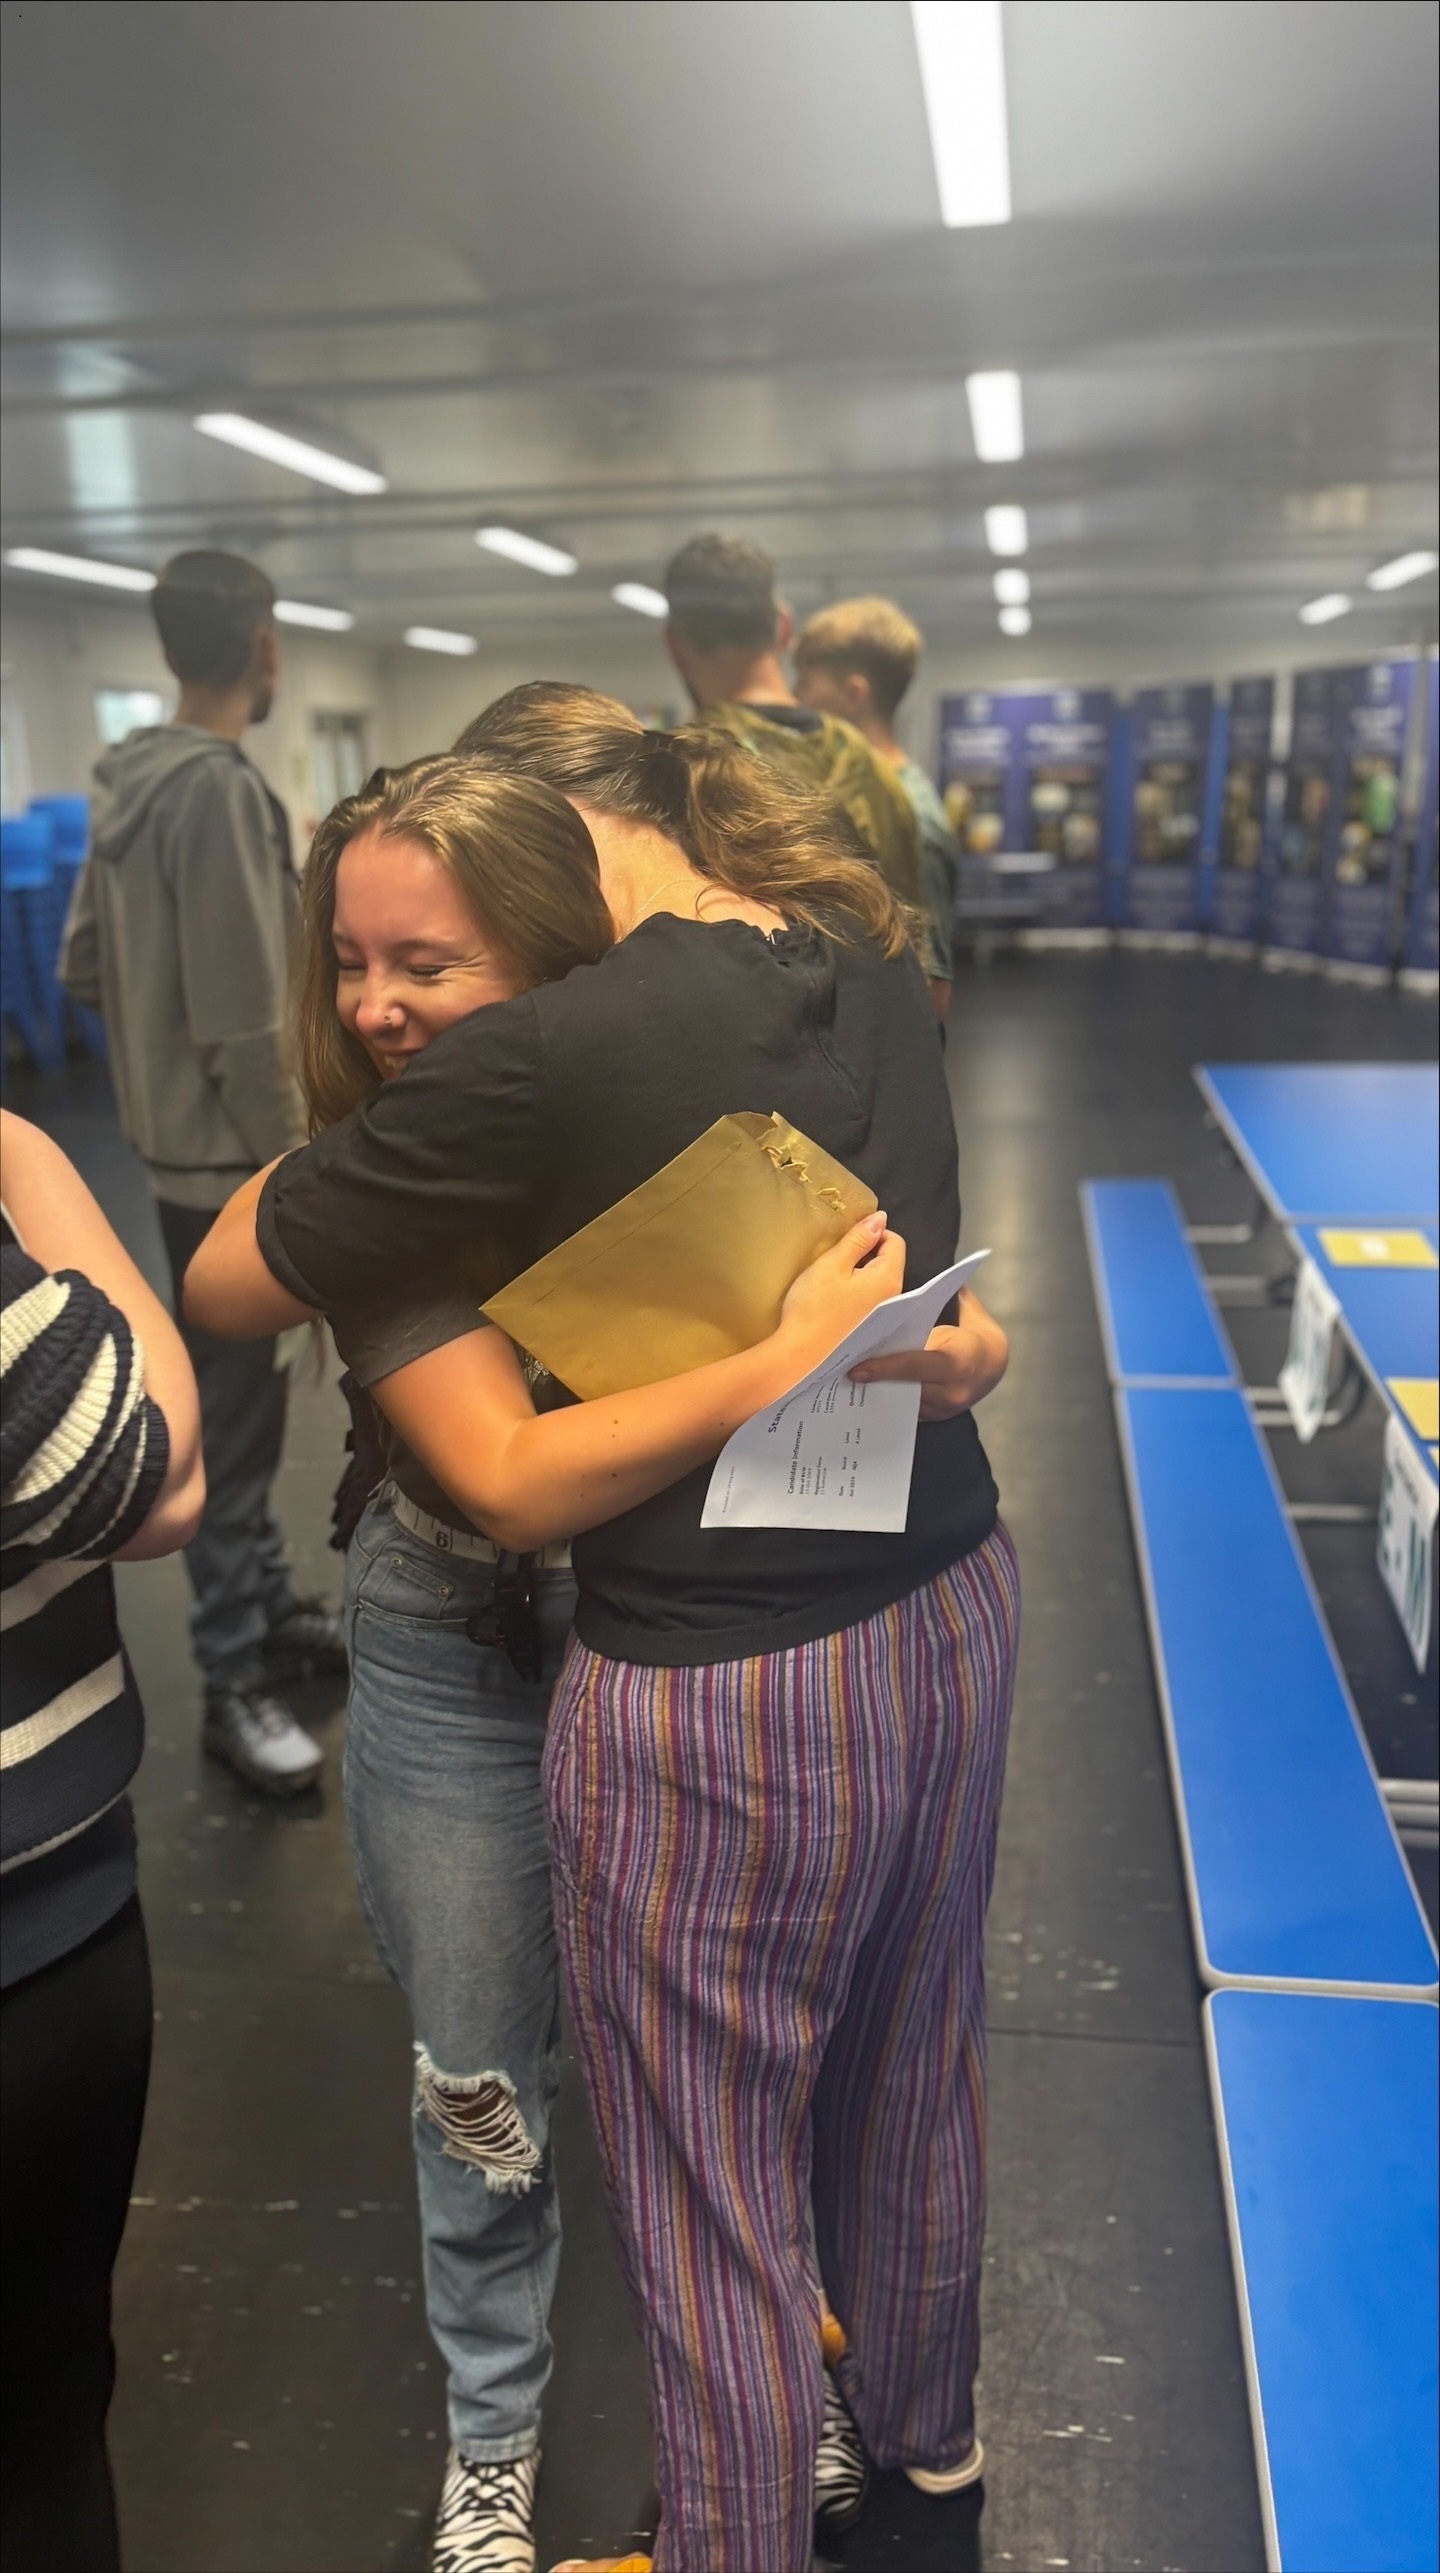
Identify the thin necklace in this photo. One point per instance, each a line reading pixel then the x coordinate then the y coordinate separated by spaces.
pixel 654 905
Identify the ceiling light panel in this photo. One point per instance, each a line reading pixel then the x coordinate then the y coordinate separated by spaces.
pixel 78 567
pixel 1007 529
pixel 297 455
pixel 962 72
pixel 327 620
pixel 1012 588
pixel 1406 567
pixel 1324 611
pixel 1014 621
pixel 529 550
pixel 434 638
pixel 645 602
pixel 996 420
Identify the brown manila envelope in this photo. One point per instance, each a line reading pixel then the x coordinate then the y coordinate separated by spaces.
pixel 692 1265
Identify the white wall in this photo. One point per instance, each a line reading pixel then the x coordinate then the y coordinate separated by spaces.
pixel 57 653
pixel 433 698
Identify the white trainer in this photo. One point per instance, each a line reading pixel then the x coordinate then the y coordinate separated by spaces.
pixel 949 2479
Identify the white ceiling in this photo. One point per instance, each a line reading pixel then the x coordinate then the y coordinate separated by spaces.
pixel 609 270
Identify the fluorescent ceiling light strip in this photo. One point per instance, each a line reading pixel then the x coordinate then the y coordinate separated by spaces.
pixel 1015 620
pixel 1406 567
pixel 297 455
pixel 1012 589
pixel 433 638
pixel 645 602
pixel 529 550
pixel 76 567
pixel 329 620
pixel 1007 529
pixel 996 419
pixel 1323 611
pixel 962 72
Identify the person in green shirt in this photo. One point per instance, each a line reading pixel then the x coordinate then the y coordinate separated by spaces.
pixel 727 634
pixel 855 660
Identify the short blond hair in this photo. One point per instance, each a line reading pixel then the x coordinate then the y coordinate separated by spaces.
pixel 871 637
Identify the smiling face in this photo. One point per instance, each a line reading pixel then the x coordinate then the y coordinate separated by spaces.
pixel 410 956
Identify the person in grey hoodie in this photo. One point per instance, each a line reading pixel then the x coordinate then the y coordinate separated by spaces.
pixel 180 934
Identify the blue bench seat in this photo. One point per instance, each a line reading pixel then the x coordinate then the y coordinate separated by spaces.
pixel 1158 1322
pixel 1325 2112
pixel 1295 1875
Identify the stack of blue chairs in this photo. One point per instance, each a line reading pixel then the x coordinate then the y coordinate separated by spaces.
pixel 41 855
pixel 26 874
pixel 69 819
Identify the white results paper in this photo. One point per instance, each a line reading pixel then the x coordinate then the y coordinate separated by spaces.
pixel 831 1454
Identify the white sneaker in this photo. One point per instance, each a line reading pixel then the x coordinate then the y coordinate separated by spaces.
pixel 949 2479
pixel 487 2514
pixel 256 1735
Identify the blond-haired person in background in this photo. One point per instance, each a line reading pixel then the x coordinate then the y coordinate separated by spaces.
pixel 856 660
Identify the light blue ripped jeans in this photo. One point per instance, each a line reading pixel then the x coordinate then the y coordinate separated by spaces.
pixel 447 1824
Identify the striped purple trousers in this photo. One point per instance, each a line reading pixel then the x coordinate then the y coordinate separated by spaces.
pixel 771 1879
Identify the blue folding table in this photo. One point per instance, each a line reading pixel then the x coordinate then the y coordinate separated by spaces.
pixel 1336 1143
pixel 1390 1315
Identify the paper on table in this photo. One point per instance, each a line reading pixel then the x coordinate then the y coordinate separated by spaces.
pixel 831 1454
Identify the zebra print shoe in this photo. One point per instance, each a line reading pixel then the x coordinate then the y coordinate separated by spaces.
pixel 486 2517
pixel 842 2470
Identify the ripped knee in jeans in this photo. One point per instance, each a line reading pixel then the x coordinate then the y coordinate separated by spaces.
pixel 477 2117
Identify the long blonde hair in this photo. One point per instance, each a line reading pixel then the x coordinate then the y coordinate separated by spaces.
pixel 743 824
pixel 524 864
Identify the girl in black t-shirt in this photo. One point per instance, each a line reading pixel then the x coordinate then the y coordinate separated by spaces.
pixel 774 1759
pixel 434 893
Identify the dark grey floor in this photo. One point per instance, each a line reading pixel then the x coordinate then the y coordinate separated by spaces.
pixel 280 2407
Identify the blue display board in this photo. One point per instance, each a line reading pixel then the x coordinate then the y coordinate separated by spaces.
pixel 1364 838
pixel 1296 879
pixel 1422 923
pixel 1171 731
pixel 1030 772
pixel 1244 810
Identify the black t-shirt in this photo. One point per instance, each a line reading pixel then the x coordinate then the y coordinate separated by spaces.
pixel 531 1117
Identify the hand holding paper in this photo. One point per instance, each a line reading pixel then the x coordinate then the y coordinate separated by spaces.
pixel 832 1454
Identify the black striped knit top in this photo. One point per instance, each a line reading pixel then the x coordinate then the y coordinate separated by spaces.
pixel 83 1453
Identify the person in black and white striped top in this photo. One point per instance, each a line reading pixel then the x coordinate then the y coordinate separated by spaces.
pixel 99 1458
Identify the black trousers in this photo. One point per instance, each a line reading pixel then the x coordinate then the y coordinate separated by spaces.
pixel 74 2066
pixel 236 1561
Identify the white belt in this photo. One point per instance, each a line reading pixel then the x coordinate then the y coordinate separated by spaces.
pixel 447 1540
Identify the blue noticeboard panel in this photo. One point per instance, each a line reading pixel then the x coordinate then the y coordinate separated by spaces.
pixel 1295 1873
pixel 1234 910
pixel 1325 2115
pixel 1171 741
pixel 1155 1314
pixel 1422 927
pixel 1365 837
pixel 1028 771
pixel 1295 865
pixel 1345 1143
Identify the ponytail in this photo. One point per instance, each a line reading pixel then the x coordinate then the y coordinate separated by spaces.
pixel 742 823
